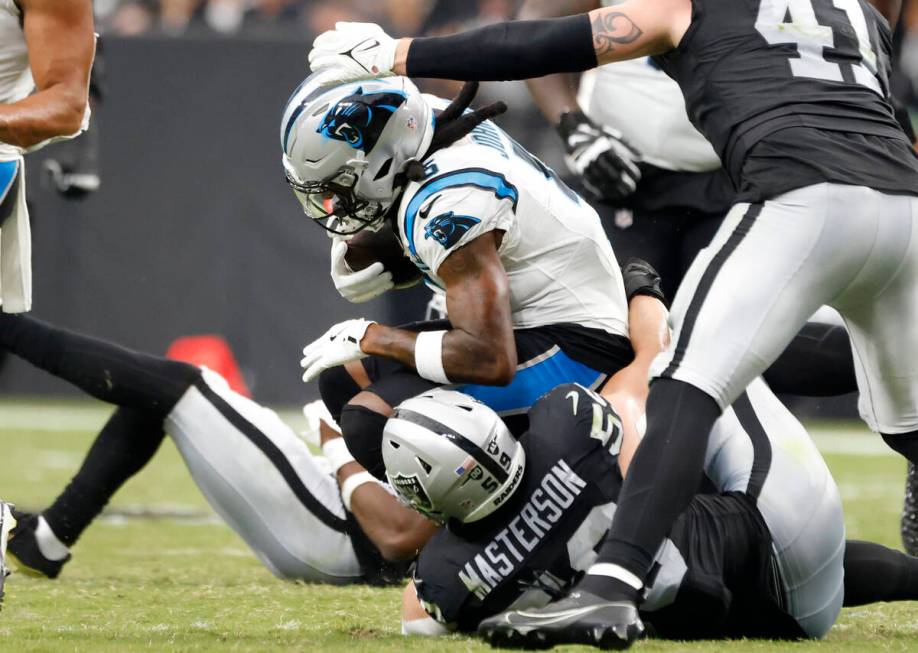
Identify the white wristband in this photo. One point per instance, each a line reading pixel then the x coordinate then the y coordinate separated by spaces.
pixel 337 454
pixel 353 482
pixel 428 356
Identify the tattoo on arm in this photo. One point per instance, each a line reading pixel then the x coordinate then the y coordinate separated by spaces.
pixel 611 29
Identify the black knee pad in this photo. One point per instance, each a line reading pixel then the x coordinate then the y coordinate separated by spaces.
pixel 904 443
pixel 337 387
pixel 362 429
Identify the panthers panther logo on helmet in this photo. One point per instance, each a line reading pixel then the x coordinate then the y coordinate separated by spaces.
pixel 360 118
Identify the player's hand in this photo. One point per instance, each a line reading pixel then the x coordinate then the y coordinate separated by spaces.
pixel 353 51
pixel 339 345
pixel 360 286
pixel 605 162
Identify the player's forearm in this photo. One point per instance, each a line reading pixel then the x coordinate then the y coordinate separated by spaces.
pixel 554 95
pixel 647 327
pixel 56 111
pixel 535 48
pixel 397 531
pixel 517 50
pixel 467 357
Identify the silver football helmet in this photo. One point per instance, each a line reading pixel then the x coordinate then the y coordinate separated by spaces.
pixel 450 456
pixel 344 146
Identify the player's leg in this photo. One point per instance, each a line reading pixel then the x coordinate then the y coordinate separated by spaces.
pixel 818 362
pixel 769 268
pixel 102 369
pixel 263 481
pixel 128 441
pixel 146 386
pixel 875 573
pixel 885 346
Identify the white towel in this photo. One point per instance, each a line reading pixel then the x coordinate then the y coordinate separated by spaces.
pixel 15 240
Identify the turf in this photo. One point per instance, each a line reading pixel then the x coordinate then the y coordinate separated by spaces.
pixel 160 572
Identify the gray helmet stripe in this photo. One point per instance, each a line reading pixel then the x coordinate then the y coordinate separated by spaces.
pixel 456 438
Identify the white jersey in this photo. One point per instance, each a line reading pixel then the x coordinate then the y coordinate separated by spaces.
pixel 647 107
pixel 15 74
pixel 559 263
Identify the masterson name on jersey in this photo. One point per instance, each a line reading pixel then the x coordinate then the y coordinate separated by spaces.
pixel 557 491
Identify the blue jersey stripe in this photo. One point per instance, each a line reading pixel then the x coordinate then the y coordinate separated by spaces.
pixel 8 170
pixel 532 382
pixel 477 177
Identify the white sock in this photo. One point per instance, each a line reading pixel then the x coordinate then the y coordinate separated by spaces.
pixel 50 547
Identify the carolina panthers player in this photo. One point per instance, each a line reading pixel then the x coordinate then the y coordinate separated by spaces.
pixel 255 472
pixel 533 290
pixel 761 553
pixel 794 96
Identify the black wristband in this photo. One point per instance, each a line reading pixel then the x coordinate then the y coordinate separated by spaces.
pixel 504 51
pixel 641 279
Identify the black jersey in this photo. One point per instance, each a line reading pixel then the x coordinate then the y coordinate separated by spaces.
pixel 794 92
pixel 545 535
pixel 714 576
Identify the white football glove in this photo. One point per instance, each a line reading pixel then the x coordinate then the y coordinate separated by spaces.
pixel 353 51
pixel 339 345
pixel 605 162
pixel 360 286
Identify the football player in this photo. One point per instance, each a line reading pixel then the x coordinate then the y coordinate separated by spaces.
pixel 252 468
pixel 794 97
pixel 533 291
pixel 46 46
pixel 760 553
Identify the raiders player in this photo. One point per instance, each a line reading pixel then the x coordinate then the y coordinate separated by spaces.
pixel 760 554
pixel 533 290
pixel 46 46
pixel 661 187
pixel 793 95
pixel 255 472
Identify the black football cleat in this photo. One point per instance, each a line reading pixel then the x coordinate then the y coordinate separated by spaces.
pixel 579 618
pixel 7 523
pixel 25 552
pixel 909 523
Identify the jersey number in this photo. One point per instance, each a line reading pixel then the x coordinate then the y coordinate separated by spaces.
pixel 606 427
pixel 812 39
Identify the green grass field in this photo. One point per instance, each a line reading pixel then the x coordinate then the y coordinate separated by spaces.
pixel 160 572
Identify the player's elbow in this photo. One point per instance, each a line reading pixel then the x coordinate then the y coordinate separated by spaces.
pixel 71 113
pixel 501 367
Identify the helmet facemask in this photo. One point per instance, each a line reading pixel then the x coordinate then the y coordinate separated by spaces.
pixel 335 205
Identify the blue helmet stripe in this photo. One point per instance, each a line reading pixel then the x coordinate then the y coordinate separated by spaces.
pixel 478 177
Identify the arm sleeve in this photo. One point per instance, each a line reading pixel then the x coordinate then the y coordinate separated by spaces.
pixel 505 51
pixel 455 218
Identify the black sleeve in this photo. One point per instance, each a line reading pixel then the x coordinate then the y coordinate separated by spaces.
pixel 505 51
pixel 436 578
pixel 875 573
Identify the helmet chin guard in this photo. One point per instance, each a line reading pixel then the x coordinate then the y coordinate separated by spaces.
pixel 343 147
pixel 451 457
